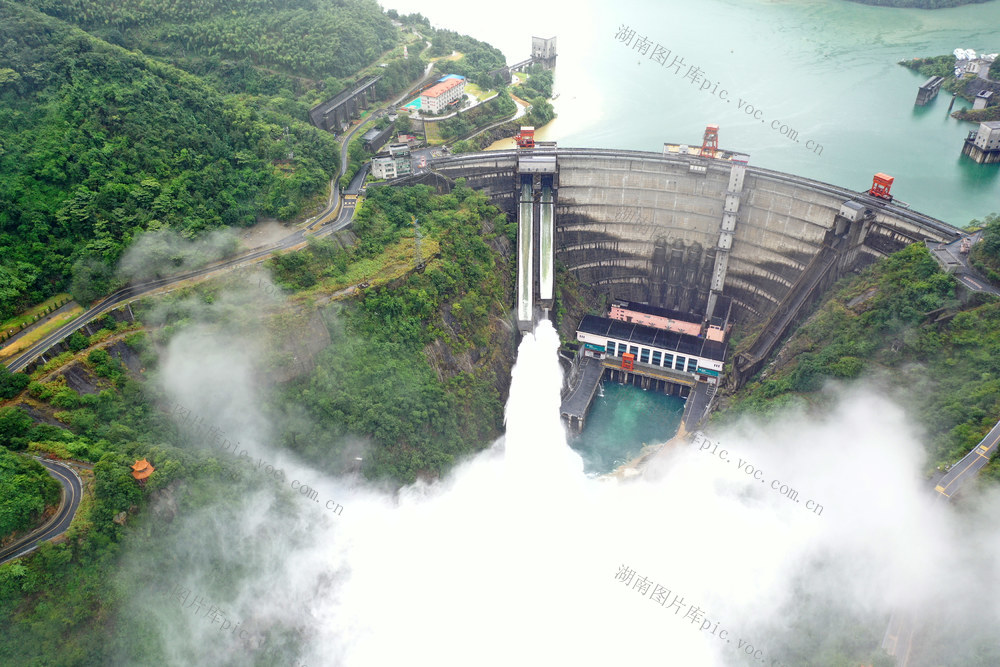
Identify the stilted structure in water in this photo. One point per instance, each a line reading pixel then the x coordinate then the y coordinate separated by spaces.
pixel 983 146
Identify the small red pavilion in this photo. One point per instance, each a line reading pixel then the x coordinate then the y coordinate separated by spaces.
pixel 141 470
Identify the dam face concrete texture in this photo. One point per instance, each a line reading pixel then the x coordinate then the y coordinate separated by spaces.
pixel 645 227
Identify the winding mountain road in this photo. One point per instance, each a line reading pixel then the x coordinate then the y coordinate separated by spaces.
pixel 72 493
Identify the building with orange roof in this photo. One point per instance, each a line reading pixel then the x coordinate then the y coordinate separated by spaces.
pixel 442 93
pixel 142 469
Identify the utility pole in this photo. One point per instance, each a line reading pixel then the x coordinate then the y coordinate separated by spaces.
pixel 416 236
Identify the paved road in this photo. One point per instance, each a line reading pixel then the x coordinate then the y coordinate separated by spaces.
pixel 696 405
pixel 72 493
pixel 577 402
pixel 317 227
pixel 66 307
pixel 521 111
pixel 341 209
pixel 898 638
pixel 970 465
pixel 951 259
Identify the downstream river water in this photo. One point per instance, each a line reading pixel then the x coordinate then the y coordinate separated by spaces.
pixel 825 69
pixel 621 421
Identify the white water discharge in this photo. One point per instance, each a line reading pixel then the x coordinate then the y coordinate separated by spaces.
pixel 512 559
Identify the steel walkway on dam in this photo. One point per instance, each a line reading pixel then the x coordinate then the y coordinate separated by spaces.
pixel 508 159
pixel 781 319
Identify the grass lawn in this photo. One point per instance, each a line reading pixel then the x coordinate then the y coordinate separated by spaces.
pixel 28 316
pixel 35 335
pixel 395 262
pixel 477 92
pixel 433 134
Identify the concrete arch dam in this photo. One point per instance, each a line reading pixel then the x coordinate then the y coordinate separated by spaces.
pixel 669 229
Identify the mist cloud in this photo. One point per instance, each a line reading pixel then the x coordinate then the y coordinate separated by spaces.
pixel 512 558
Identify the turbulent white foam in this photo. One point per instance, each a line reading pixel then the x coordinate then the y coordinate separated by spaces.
pixel 511 559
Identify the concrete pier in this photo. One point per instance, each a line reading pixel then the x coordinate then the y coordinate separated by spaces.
pixel 929 90
pixel 576 404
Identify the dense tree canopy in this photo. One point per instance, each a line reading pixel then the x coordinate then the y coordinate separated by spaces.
pixel 318 38
pixel 985 255
pixel 98 144
pixel 478 58
pixel 25 490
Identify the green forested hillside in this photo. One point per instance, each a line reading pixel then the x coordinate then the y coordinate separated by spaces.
pixel 985 255
pixel 900 316
pixel 422 396
pixel 387 377
pixel 97 144
pixel 477 59
pixel 318 38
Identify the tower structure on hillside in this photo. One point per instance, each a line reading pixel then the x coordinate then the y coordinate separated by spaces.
pixel 543 51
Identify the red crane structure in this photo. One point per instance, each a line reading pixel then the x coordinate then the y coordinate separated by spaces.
pixel 526 137
pixel 710 144
pixel 881 184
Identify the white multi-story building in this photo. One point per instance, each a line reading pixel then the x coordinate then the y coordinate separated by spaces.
pixel 442 93
pixel 393 164
pixel 652 347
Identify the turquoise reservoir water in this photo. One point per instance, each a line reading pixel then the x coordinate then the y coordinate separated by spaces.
pixel 825 69
pixel 621 422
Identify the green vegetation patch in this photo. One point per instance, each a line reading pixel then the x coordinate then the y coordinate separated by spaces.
pixel 26 489
pixel 943 358
pixel 487 113
pixel 99 144
pixel 416 367
pixel 478 58
pixel 310 37
pixel 944 66
pixel 985 255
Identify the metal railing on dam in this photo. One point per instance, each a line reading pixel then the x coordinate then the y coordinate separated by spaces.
pixel 940 230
